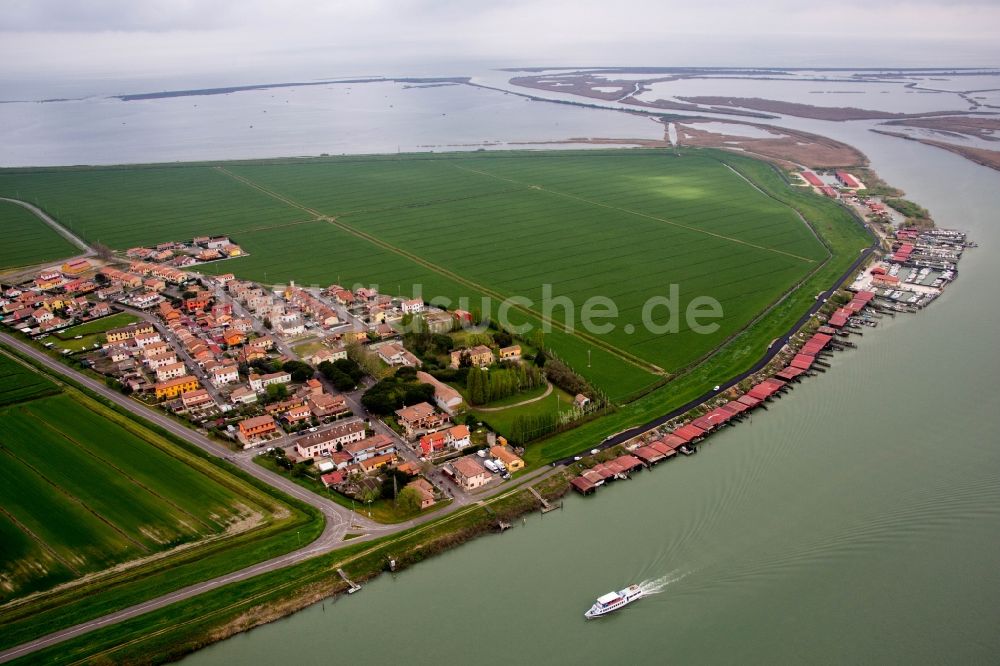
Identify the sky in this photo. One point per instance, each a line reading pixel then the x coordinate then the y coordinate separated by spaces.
pixel 134 45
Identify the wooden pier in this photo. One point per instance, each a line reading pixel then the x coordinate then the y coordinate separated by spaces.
pixel 353 587
pixel 546 505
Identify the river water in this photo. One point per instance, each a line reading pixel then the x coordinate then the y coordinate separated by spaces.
pixel 857 520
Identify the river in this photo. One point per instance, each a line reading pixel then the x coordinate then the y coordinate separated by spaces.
pixel 856 520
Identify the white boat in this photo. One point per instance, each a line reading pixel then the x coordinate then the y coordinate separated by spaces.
pixel 613 601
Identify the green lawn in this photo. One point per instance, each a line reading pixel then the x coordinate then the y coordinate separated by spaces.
pixel 92 332
pixel 501 421
pixel 27 239
pixel 98 325
pixel 624 225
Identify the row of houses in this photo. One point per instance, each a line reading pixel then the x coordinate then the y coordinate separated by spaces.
pixel 482 356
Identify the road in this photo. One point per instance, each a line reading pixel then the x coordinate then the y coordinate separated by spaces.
pixel 59 229
pixel 338 519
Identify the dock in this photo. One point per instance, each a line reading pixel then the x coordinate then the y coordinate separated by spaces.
pixel 546 505
pixel 352 586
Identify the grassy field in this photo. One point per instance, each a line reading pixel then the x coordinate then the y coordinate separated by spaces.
pixel 845 238
pixel 501 420
pixel 19 383
pixel 28 240
pixel 125 207
pixel 93 503
pixel 169 633
pixel 95 495
pixel 620 224
pixel 92 331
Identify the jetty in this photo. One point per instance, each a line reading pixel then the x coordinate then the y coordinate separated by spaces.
pixel 546 505
pixel 352 586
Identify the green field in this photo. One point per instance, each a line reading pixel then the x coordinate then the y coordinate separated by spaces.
pixel 93 503
pixel 28 240
pixel 19 383
pixel 92 331
pixel 620 224
pixel 91 494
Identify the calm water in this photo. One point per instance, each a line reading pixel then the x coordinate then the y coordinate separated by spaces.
pixel 307 120
pixel 856 521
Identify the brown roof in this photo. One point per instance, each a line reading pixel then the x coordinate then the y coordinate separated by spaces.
pixel 256 421
pixel 467 467
pixel 414 412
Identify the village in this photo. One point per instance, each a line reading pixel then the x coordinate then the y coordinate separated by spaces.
pixel 332 387
pixel 280 374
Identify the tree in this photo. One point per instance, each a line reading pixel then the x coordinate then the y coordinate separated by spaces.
pixel 276 392
pixel 350 367
pixel 409 500
pixel 299 371
pixel 406 373
pixel 503 338
pixel 103 251
pixel 474 387
pixel 540 358
pixel 418 393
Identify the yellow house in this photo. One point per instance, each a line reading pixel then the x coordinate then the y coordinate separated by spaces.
pixel 174 387
pixel 507 457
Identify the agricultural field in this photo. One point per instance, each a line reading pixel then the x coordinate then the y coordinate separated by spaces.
pixel 28 240
pixel 623 225
pixel 19 383
pixel 80 494
pixel 126 207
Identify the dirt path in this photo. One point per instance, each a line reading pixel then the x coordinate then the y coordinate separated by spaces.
pixel 548 392
pixel 59 229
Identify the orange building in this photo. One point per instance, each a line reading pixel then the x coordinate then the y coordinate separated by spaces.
pixel 256 427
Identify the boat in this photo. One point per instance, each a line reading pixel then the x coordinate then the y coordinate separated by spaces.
pixel 613 601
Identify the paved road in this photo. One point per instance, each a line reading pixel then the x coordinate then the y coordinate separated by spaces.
pixel 338 519
pixel 60 229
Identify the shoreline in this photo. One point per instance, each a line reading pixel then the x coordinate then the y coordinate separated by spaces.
pixel 482 525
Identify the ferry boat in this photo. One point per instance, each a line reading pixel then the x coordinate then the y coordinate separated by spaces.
pixel 613 601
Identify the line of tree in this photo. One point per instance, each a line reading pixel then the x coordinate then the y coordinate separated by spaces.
pixel 563 376
pixel 484 387
pixel 526 428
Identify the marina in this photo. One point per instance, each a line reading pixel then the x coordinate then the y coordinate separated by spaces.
pixel 905 278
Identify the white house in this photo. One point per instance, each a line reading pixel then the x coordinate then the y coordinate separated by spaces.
pixel 260 382
pixel 412 306
pixel 171 371
pixel 225 374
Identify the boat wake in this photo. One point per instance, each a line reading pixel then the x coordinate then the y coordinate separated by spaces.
pixel 657 585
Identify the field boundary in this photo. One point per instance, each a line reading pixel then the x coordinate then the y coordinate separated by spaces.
pixel 333 220
pixel 647 216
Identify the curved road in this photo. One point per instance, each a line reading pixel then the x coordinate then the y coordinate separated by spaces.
pixel 60 229
pixel 338 519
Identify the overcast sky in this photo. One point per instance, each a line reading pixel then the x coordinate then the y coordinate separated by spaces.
pixel 161 41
